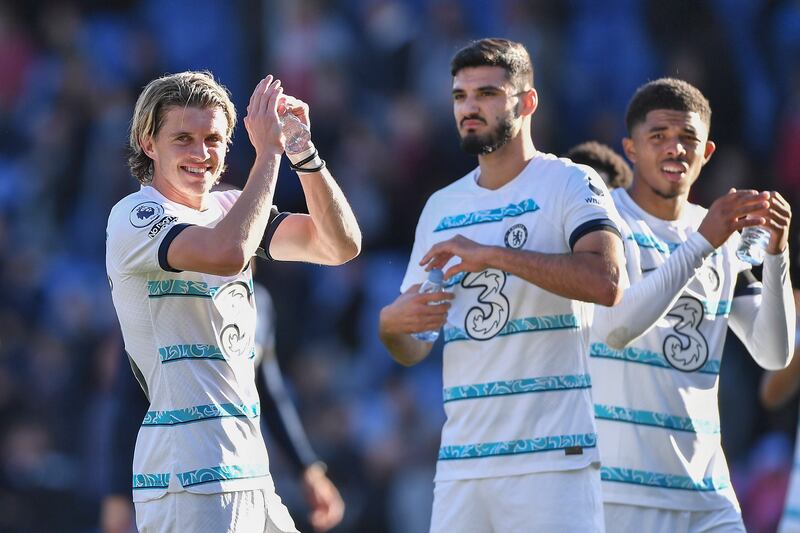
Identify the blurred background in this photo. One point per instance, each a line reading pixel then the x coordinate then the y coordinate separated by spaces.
pixel 376 76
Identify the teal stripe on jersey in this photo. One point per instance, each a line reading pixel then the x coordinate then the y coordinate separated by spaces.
pixel 520 325
pixel 518 386
pixel 179 287
pixel 487 215
pixel 221 473
pixel 454 280
pixel 664 481
pixel 517 447
pixel 650 418
pixel 182 287
pixel 649 241
pixel 198 413
pixel 722 308
pixel 645 357
pixel 189 351
pixel 792 513
pixel 150 481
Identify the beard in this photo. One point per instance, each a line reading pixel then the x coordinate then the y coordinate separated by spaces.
pixel 475 144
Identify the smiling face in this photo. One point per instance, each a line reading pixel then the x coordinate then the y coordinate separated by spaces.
pixel 188 153
pixel 668 149
pixel 485 108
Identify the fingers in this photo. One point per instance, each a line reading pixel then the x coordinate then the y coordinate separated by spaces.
pixel 779 203
pixel 745 222
pixel 432 254
pixel 780 213
pixel 258 93
pixel 412 289
pixel 455 270
pixel 269 101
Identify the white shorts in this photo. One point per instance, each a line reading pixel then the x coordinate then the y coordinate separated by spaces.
pixel 633 518
pixel 247 511
pixel 542 502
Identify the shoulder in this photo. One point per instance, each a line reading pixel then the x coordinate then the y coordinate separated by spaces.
pixel 563 167
pixel 137 210
pixel 562 177
pixel 463 187
pixel 226 198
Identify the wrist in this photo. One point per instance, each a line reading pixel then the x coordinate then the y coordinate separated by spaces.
pixel 300 156
pixel 315 470
pixel 307 161
pixel 267 156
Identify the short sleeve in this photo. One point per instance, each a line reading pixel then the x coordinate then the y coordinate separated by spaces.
pixel 139 234
pixel 587 206
pixel 422 243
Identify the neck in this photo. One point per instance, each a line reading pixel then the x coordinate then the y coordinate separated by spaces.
pixel 168 191
pixel 505 163
pixel 665 208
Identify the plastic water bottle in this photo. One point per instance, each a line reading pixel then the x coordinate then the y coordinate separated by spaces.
pixel 434 283
pixel 753 245
pixel 296 133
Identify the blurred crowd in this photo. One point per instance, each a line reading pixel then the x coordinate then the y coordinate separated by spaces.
pixel 376 76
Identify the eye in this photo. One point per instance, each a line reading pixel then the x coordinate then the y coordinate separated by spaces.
pixel 458 97
pixel 183 138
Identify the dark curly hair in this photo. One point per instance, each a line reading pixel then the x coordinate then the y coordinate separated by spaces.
pixel 608 163
pixel 495 52
pixel 666 93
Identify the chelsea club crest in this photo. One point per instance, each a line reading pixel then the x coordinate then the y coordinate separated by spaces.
pixel 516 236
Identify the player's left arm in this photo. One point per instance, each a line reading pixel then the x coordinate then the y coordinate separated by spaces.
pixel 763 317
pixel 329 233
pixel 594 269
pixel 593 272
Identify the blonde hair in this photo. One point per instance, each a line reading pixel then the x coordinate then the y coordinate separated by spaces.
pixel 184 89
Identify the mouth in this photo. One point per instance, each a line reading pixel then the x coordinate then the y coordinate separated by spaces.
pixel 674 170
pixel 196 171
pixel 471 123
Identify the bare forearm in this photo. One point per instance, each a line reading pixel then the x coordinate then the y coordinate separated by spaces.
pixel 338 236
pixel 404 348
pixel 586 276
pixel 244 225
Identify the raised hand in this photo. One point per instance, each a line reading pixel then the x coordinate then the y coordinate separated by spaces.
pixel 779 218
pixel 732 212
pixel 261 121
pixel 295 106
pixel 473 256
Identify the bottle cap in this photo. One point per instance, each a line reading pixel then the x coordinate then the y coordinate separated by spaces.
pixel 436 276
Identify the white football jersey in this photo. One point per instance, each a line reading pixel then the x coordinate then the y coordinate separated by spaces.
pixel 516 380
pixel 656 400
pixel 190 337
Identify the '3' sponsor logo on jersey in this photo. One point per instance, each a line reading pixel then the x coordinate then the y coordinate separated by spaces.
pixel 490 316
pixel 685 347
pixel 234 302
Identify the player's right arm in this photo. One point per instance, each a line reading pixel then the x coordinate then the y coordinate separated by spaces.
pixel 227 248
pixel 411 313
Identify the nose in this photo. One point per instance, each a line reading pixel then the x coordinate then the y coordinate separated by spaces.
pixel 675 148
pixel 199 151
